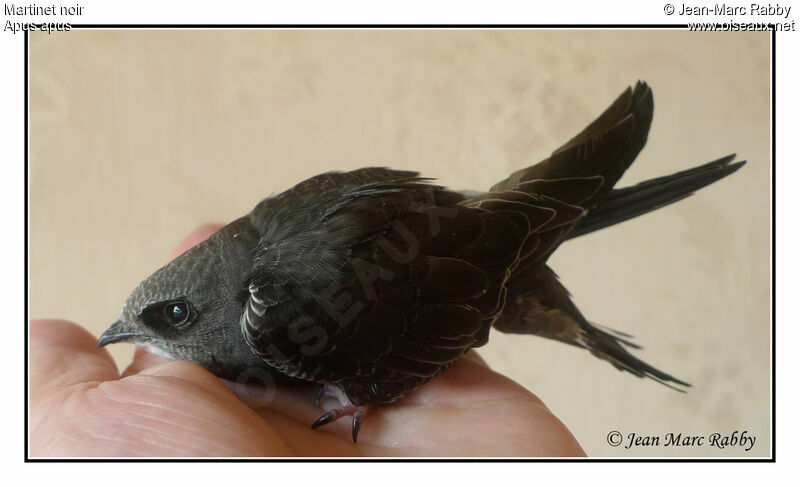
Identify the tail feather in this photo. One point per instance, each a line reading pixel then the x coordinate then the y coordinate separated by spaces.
pixel 606 346
pixel 582 173
pixel 623 204
pixel 545 309
pixel 620 336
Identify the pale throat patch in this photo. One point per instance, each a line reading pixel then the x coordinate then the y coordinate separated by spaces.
pixel 152 348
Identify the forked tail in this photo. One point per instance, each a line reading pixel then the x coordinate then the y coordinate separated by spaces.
pixel 623 204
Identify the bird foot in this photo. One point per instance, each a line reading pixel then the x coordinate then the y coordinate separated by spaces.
pixel 347 409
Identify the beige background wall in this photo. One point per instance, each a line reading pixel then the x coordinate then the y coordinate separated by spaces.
pixel 138 137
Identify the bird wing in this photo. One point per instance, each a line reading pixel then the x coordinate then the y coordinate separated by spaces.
pixel 378 280
pixel 605 148
pixel 384 284
pixel 583 171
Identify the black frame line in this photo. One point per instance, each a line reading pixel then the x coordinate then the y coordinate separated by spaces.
pixel 773 48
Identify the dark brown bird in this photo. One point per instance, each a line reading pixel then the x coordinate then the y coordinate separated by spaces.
pixel 372 282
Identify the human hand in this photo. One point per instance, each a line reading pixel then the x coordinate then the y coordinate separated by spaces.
pixel 81 406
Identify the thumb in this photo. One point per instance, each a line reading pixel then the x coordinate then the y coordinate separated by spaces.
pixel 64 354
pixel 198 235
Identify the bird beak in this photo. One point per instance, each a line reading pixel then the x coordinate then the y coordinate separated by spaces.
pixel 117 332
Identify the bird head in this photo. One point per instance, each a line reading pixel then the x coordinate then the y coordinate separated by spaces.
pixel 189 310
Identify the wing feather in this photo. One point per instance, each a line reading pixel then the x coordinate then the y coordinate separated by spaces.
pixel 379 280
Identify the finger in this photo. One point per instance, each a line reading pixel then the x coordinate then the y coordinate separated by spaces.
pixel 142 359
pixel 473 356
pixel 194 238
pixel 63 354
pixel 174 409
pixel 468 381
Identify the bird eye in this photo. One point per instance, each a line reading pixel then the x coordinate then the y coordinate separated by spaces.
pixel 176 312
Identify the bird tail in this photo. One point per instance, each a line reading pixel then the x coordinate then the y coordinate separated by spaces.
pixel 623 204
pixel 545 309
pixel 608 345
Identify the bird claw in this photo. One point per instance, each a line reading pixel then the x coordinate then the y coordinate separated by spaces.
pixel 328 417
pixel 357 415
pixel 357 412
pixel 319 395
pixel 348 409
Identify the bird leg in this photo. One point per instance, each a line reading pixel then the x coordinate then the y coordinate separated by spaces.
pixel 347 408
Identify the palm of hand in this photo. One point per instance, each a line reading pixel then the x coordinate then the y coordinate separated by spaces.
pixel 81 406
